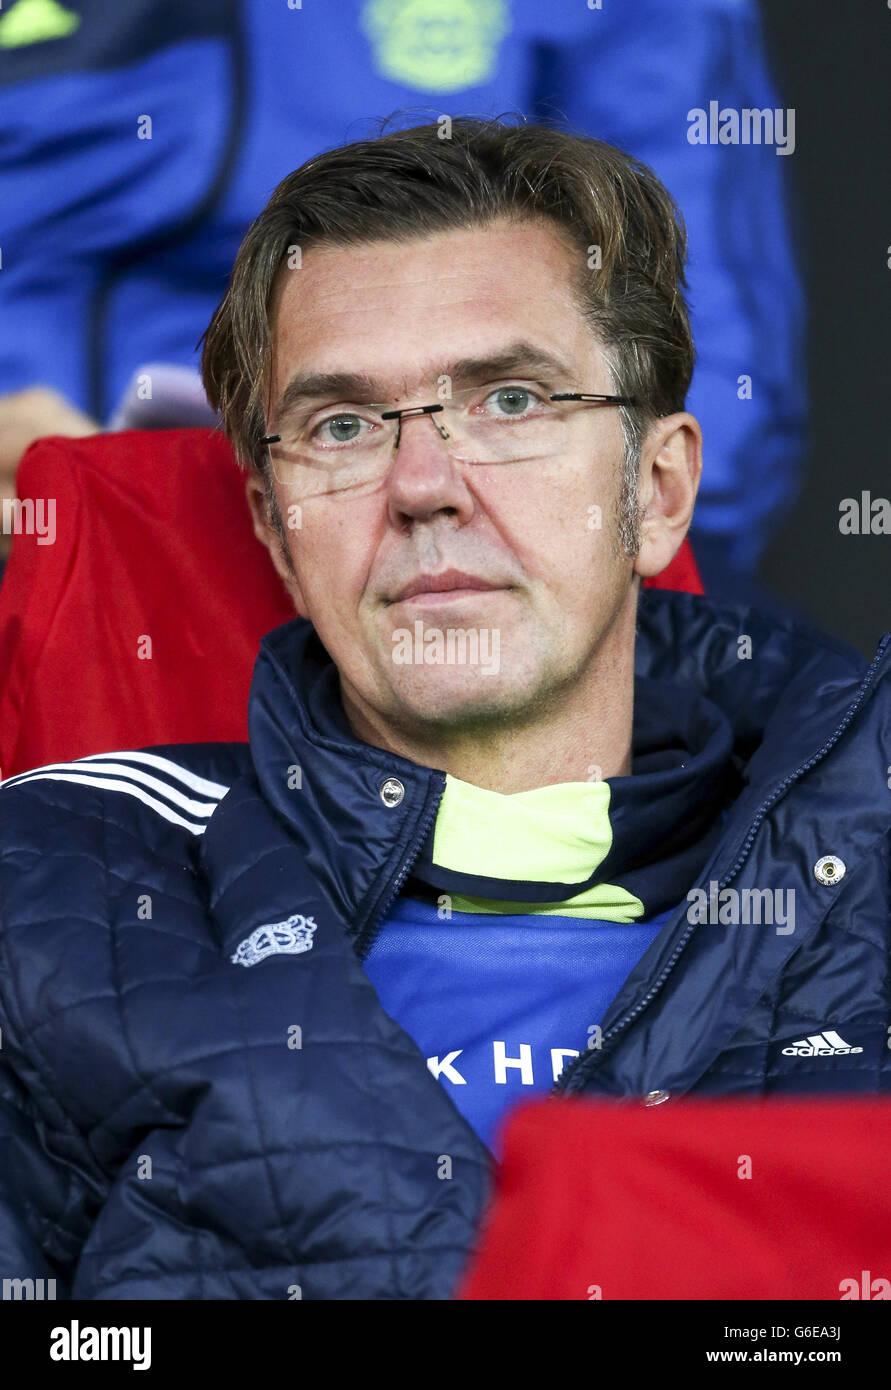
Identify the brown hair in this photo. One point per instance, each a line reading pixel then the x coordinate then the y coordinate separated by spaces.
pixel 414 182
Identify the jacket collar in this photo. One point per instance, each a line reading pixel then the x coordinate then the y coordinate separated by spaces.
pixel 327 786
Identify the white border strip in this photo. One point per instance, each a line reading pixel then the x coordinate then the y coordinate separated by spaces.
pixel 111 785
pixel 185 803
pixel 182 774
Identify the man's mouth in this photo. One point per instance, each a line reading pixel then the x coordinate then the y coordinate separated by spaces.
pixel 444 588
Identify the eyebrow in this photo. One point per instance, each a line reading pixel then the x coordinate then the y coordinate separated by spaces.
pixel 516 358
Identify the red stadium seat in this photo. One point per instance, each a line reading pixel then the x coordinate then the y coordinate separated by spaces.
pixel 140 623
pixel 697 1199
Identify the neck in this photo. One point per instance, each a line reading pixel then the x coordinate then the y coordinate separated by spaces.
pixel 581 734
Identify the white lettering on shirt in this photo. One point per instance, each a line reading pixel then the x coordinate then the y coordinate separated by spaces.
pixel 502 1062
pixel 444 1068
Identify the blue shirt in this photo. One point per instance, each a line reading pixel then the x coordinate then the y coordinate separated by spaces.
pixel 499 997
pixel 498 1004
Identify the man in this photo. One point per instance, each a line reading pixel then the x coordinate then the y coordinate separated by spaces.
pixel 501 825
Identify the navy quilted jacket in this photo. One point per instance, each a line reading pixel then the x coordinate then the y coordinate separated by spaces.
pixel 177 1124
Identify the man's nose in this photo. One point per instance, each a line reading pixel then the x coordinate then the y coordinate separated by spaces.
pixel 423 478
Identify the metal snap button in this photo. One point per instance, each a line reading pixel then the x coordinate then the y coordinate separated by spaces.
pixel 656 1097
pixel 392 791
pixel 829 869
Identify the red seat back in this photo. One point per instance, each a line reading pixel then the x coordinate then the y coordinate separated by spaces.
pixel 739 1198
pixel 140 623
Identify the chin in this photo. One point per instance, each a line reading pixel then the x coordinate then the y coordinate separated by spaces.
pixel 456 699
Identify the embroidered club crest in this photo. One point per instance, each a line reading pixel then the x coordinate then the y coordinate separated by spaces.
pixel 436 45
pixel 290 938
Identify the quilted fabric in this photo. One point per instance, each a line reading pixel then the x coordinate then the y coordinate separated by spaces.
pixel 165 1133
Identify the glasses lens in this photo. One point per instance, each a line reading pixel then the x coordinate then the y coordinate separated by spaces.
pixel 507 424
pixel 343 449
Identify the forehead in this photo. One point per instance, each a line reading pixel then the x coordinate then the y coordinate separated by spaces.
pixel 399 310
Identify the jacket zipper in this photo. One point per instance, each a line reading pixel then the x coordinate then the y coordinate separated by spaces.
pixel 561 1087
pixel 367 937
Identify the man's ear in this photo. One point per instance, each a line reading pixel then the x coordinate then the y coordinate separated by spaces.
pixel 670 469
pixel 267 534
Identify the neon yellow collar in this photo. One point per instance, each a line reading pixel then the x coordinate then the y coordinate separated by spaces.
pixel 555 834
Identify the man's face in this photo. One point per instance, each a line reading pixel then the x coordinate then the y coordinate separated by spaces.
pixel 538 573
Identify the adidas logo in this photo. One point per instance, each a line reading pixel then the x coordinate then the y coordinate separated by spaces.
pixel 825 1044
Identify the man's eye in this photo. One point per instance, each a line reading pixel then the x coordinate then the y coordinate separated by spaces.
pixel 339 429
pixel 512 401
